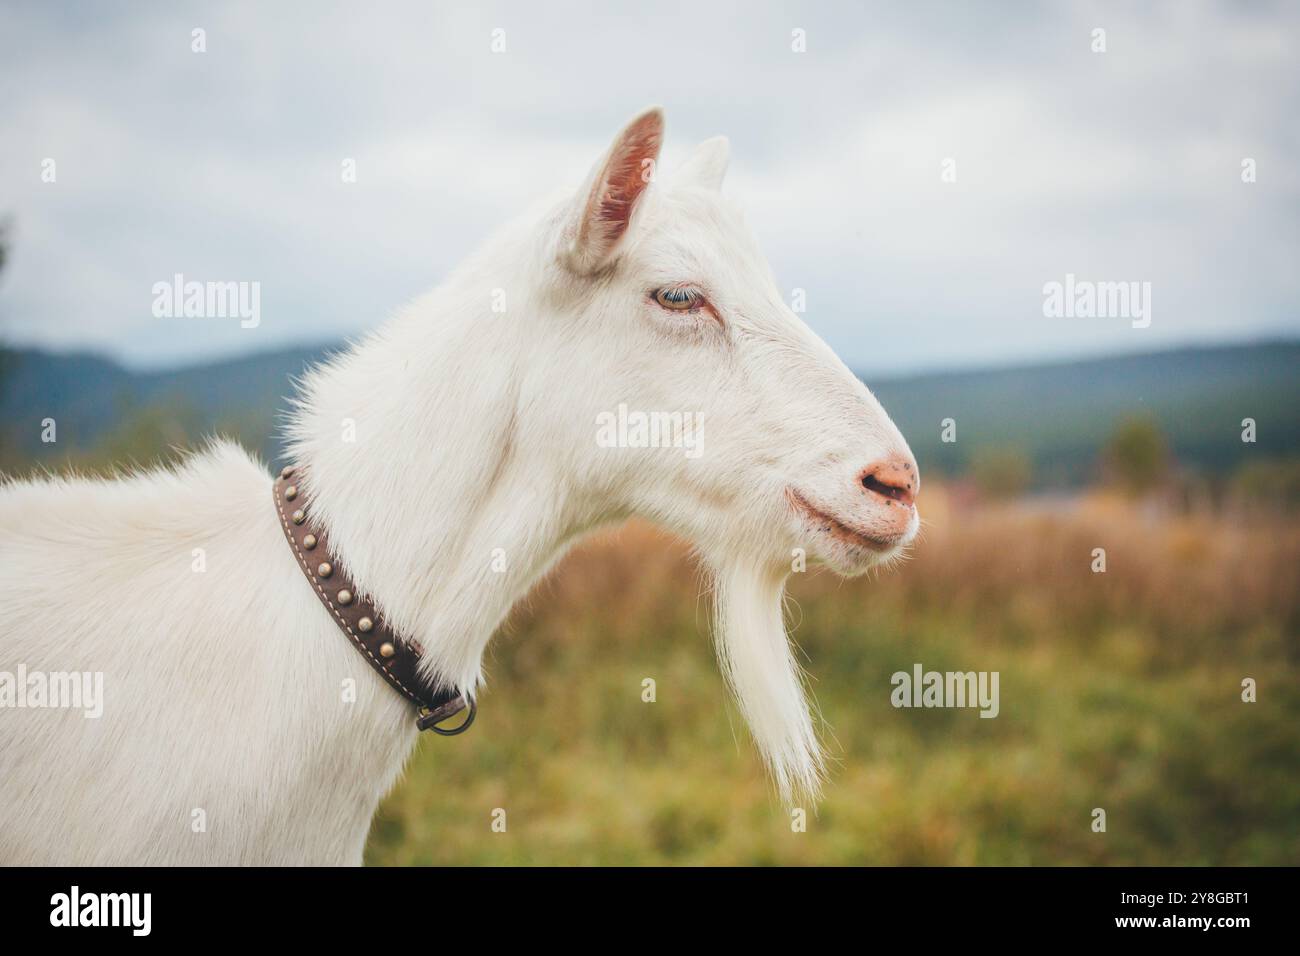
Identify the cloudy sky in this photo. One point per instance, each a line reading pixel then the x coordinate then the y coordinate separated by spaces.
pixel 1123 165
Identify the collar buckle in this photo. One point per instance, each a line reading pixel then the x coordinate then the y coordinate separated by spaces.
pixel 429 719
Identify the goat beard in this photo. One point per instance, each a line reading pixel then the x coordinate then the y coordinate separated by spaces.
pixel 759 665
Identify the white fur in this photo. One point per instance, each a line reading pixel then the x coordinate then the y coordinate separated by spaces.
pixel 474 431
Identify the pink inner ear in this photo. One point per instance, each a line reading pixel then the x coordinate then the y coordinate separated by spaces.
pixel 625 176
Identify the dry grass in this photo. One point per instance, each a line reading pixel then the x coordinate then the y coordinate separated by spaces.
pixel 1118 690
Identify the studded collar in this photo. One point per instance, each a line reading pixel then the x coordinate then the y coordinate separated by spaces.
pixel 396 660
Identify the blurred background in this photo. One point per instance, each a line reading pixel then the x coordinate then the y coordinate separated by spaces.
pixel 917 174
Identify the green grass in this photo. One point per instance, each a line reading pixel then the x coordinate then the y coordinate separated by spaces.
pixel 1137 713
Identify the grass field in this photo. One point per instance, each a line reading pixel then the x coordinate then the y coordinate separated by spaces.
pixel 1119 690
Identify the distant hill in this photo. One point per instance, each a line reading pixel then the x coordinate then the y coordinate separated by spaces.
pixel 88 396
pixel 1060 415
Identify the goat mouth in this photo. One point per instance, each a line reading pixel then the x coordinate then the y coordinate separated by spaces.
pixel 837 527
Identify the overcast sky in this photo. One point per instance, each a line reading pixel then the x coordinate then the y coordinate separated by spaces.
pixel 225 165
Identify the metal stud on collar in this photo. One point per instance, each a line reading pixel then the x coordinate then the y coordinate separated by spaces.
pixel 397 663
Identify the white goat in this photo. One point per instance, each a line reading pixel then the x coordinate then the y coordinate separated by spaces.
pixel 225 735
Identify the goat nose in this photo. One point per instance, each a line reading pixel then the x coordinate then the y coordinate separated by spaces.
pixel 893 478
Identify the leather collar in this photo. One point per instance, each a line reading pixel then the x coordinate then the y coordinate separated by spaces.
pixel 396 660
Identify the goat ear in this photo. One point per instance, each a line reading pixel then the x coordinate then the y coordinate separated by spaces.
pixel 707 166
pixel 606 205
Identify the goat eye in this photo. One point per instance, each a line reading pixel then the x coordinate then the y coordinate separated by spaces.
pixel 679 299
